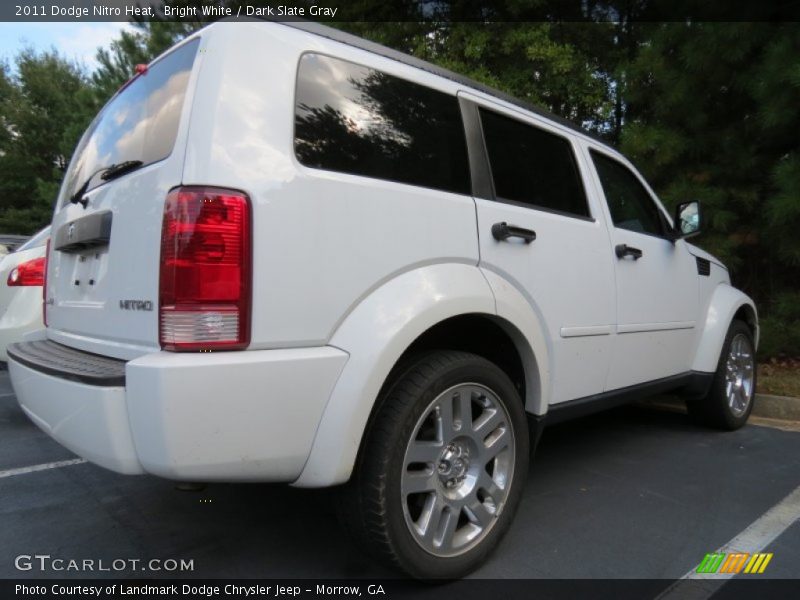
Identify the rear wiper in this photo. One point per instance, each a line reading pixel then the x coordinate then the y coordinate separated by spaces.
pixel 106 174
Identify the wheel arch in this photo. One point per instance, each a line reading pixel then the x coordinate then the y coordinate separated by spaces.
pixel 489 336
pixel 727 303
pixel 747 313
pixel 412 312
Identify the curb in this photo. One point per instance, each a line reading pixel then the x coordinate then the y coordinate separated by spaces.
pixel 777 407
pixel 766 406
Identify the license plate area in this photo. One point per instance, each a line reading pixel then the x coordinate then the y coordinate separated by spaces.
pixel 86 233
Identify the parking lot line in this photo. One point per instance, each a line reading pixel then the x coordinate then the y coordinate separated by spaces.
pixel 42 467
pixel 755 538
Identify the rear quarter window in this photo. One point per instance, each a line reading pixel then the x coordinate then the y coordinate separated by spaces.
pixel 139 123
pixel 354 119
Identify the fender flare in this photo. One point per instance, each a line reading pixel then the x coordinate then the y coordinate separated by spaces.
pixel 375 335
pixel 725 302
pixel 524 323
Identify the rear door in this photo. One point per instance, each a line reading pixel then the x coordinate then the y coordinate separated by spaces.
pixel 102 288
pixel 537 187
pixel 657 289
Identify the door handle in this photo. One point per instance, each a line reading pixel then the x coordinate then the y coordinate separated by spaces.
pixel 502 231
pixel 624 250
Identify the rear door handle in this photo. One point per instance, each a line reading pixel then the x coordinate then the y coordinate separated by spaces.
pixel 502 231
pixel 624 250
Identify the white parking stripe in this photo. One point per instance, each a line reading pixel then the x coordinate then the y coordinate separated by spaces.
pixel 762 532
pixel 6 395
pixel 42 467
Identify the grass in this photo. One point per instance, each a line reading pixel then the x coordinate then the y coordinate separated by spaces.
pixel 779 378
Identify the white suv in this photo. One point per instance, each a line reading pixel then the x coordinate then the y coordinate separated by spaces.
pixel 285 254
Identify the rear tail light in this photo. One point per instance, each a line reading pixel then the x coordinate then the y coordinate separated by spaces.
pixel 44 285
pixel 28 273
pixel 204 287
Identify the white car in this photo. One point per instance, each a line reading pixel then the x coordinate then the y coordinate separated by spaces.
pixel 285 254
pixel 21 280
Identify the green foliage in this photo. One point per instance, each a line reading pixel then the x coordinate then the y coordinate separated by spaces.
pixel 44 107
pixel 780 328
pixel 716 120
pixel 783 210
pixel 546 64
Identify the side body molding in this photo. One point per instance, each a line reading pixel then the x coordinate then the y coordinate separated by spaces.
pixel 725 301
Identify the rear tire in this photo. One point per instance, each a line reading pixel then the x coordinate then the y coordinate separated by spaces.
pixel 730 399
pixel 442 467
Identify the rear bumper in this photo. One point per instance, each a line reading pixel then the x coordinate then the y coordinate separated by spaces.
pixel 91 421
pixel 227 416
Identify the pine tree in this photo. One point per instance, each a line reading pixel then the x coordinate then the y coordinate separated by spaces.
pixel 717 121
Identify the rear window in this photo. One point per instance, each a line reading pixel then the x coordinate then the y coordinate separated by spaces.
pixel 354 119
pixel 139 123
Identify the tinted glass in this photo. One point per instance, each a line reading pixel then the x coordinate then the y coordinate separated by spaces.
pixel 357 120
pixel 628 201
pixel 532 166
pixel 139 123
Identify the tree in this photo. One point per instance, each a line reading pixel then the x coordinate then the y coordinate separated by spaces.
pixel 717 120
pixel 550 62
pixel 44 107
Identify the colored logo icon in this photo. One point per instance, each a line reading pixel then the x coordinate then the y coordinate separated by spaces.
pixel 735 562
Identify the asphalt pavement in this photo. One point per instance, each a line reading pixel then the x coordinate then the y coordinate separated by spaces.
pixel 631 493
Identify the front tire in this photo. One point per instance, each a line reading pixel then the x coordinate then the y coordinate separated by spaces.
pixel 730 399
pixel 442 468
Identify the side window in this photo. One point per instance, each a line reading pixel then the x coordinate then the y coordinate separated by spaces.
pixel 629 202
pixel 354 119
pixel 532 166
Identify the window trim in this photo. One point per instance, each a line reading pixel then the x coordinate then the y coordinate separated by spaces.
pixel 314 170
pixel 480 171
pixel 663 218
pixel 544 209
pixel 484 151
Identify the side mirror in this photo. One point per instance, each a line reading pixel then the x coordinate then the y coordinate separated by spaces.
pixel 688 220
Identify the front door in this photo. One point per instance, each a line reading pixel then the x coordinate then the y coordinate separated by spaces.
pixel 656 280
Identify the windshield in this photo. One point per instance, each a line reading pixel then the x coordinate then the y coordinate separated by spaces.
pixel 139 123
